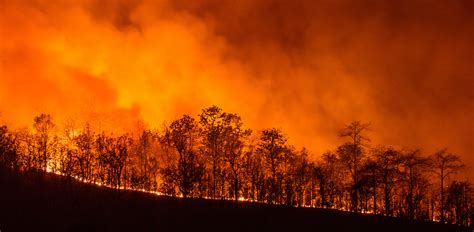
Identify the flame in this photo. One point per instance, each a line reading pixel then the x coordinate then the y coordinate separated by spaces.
pixel 308 68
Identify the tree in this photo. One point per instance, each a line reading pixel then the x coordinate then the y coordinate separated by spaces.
pixel 144 161
pixel 414 166
pixel 329 175
pixel 301 176
pixel 351 154
pixel 389 161
pixel 113 155
pixel 286 173
pixel 66 159
pixel 370 181
pixel 254 169
pixel 9 154
pixel 234 137
pixel 213 124
pixel 26 146
pixel 66 152
pixel 217 157
pixel 120 157
pixel 188 170
pixel 356 132
pixel 444 164
pixel 272 146
pixel 84 159
pixel 43 125
pixel 459 202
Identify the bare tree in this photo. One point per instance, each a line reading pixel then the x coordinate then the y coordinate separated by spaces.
pixel 301 176
pixel 369 181
pixel 183 134
pixel 66 157
pixel 254 169
pixel 329 176
pixel 9 153
pixel 444 164
pixel 234 137
pixel 414 166
pixel 144 161
pixel 389 161
pixel 120 157
pixel 26 145
pixel 43 125
pixel 352 153
pixel 286 171
pixel 217 157
pixel 84 142
pixel 213 126
pixel 65 151
pixel 459 202
pixel 272 146
pixel 113 155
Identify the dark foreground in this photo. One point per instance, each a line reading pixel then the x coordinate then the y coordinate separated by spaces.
pixel 45 202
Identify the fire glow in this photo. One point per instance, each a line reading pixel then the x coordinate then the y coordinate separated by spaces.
pixel 121 62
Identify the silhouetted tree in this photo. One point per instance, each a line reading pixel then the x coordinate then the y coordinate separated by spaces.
pixel 234 139
pixel 67 158
pixel 444 164
pixel 389 161
pixel 285 177
pixel 187 172
pixel 459 202
pixel 217 157
pixel 113 154
pixel 43 125
pixel 329 175
pixel 300 176
pixel 352 153
pixel 369 181
pixel 272 146
pixel 213 122
pixel 26 146
pixel 414 166
pixel 254 169
pixel 144 161
pixel 85 156
pixel 9 154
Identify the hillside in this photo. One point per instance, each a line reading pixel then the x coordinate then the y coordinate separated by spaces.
pixel 46 202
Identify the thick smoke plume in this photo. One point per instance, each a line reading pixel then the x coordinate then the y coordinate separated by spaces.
pixel 306 66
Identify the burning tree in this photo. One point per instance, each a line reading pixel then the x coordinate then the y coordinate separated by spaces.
pixel 43 126
pixel 186 172
pixel 352 153
pixel 216 157
pixel 272 146
pixel 234 148
pixel 459 202
pixel 444 164
pixel 214 123
pixel 9 154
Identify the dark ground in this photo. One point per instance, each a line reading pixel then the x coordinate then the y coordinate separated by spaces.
pixel 45 202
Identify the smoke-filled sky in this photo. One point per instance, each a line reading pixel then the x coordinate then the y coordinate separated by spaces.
pixel 305 66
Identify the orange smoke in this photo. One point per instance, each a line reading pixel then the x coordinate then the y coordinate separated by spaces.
pixel 308 67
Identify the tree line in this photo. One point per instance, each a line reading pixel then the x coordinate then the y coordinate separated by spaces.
pixel 215 156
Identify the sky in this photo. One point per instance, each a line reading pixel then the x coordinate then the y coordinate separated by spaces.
pixel 308 67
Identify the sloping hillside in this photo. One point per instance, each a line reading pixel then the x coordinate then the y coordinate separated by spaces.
pixel 46 202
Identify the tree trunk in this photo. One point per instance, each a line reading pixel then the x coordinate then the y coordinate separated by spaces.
pixel 375 192
pixel 442 196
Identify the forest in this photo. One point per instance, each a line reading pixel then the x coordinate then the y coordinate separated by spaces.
pixel 214 156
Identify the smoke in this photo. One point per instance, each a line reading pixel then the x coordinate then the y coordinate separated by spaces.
pixel 308 67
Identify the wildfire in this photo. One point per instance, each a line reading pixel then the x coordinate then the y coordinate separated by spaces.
pixel 153 61
pixel 157 193
pixel 134 74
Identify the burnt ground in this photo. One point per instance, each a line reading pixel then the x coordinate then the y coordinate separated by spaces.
pixel 46 202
